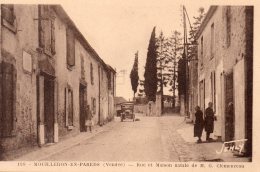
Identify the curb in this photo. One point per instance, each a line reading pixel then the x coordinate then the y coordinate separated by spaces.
pixel 75 143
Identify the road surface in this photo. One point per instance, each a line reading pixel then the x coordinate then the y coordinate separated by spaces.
pixel 147 139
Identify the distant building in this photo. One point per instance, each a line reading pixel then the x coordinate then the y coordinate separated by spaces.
pixel 225 54
pixel 49 74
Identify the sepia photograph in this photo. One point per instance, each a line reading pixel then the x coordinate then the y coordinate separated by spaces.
pixel 126 84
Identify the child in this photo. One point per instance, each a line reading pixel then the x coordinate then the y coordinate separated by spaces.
pixel 89 117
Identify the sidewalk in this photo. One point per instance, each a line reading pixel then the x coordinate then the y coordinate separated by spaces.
pixel 42 153
pixel 207 151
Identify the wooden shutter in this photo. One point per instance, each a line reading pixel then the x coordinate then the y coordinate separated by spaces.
pixel 70 48
pixel 1 99
pixel 46 30
pixel 8 102
pixel 94 106
pixel 41 26
pixel 8 13
pixel 91 74
pixel 53 51
pixel 70 107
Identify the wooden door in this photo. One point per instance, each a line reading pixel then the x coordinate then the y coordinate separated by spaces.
pixel 49 110
pixel 82 104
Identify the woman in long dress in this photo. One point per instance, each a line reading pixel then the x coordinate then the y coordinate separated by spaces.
pixel 199 124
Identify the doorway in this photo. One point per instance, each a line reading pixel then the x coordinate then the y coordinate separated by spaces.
pixel 48 110
pixel 202 95
pixel 82 105
pixel 229 117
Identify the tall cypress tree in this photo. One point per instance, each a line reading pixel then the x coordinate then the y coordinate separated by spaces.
pixel 150 74
pixel 134 74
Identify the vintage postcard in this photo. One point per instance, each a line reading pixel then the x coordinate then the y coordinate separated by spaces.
pixel 114 85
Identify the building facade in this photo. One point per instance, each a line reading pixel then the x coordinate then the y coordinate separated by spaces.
pixel 48 75
pixel 225 53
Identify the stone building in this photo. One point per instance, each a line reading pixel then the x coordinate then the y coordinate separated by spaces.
pixel 49 73
pixel 225 53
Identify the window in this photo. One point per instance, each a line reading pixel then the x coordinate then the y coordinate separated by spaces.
pixel 69 106
pixel 213 89
pixel 82 67
pixel 91 74
pixel 109 80
pixel 7 99
pixel 46 30
pixel 212 41
pixel 228 26
pixel 8 17
pixel 70 48
pixel 201 51
pixel 93 105
pixel 8 13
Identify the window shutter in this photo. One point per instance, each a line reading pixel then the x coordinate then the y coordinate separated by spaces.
pixel 70 107
pixel 41 26
pixel 70 47
pixel 1 99
pixel 66 105
pixel 52 37
pixel 8 100
pixel 8 13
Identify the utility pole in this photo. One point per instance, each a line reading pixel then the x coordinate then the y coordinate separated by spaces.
pixel 185 49
pixel 174 68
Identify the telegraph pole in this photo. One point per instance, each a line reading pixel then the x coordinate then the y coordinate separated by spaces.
pixel 185 49
pixel 174 68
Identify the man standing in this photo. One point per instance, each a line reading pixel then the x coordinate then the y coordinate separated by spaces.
pixel 209 121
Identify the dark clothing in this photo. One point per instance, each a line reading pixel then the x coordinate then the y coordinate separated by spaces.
pixel 207 136
pixel 230 123
pixel 199 124
pixel 209 120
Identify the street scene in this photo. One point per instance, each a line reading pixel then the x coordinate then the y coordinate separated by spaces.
pixel 148 139
pixel 121 82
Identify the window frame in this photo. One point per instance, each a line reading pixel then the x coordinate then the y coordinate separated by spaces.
pixel 228 26
pixel 70 48
pixel 201 51
pixel 212 40
pixel 69 99
pixel 46 14
pixel 92 74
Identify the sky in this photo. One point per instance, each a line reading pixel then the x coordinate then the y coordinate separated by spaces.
pixel 116 29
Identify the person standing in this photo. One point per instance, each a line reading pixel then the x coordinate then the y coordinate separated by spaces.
pixel 230 122
pixel 199 124
pixel 209 121
pixel 89 122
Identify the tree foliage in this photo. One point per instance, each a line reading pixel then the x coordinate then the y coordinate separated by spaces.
pixel 193 49
pixel 169 52
pixel 134 74
pixel 150 74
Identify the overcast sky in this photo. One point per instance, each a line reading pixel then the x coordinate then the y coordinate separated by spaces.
pixel 116 29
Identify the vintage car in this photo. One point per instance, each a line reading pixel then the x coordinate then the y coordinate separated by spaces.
pixel 127 111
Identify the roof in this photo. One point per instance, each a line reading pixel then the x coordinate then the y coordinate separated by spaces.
pixel 110 68
pixel 204 23
pixel 119 100
pixel 64 16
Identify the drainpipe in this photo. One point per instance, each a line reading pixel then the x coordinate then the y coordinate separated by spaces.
pixel 99 115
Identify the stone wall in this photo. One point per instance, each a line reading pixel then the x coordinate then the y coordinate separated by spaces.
pixel 225 57
pixel 21 49
pixel 25 38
